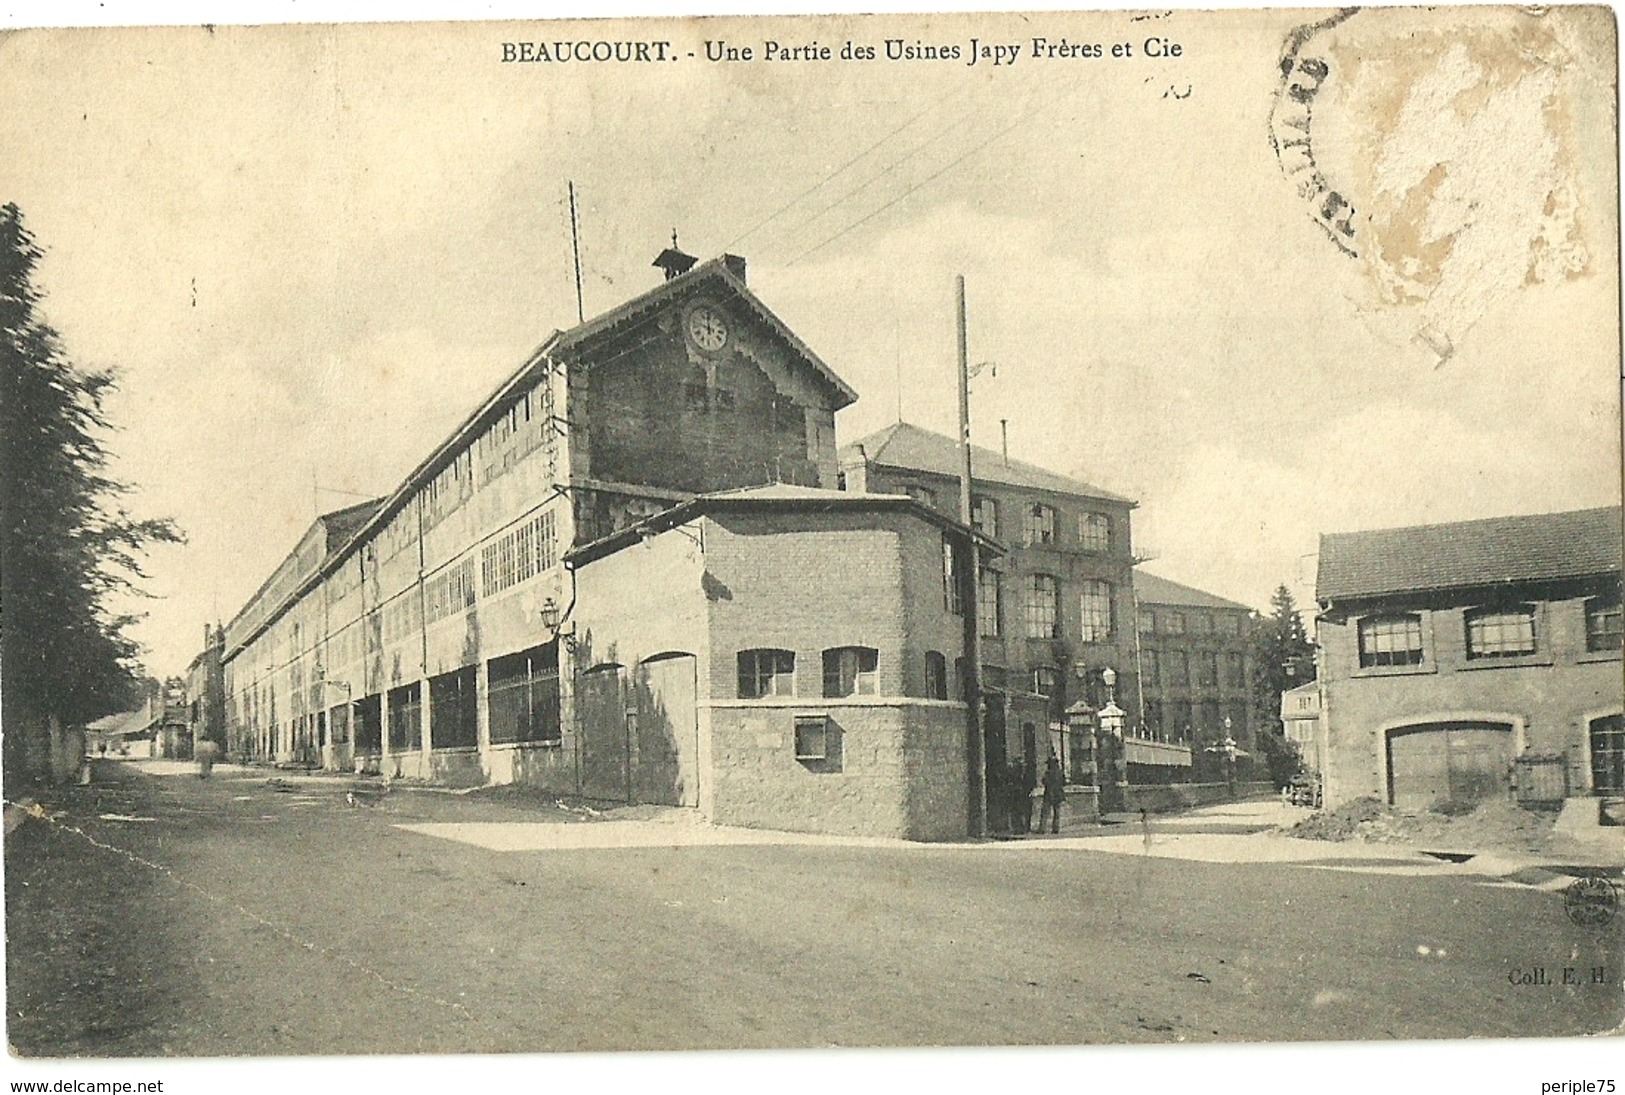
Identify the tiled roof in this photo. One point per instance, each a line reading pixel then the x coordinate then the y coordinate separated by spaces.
pixel 343 523
pixel 781 497
pixel 1537 547
pixel 907 446
pixel 1152 590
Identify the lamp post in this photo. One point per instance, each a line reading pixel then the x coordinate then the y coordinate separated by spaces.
pixel 1229 748
pixel 1111 728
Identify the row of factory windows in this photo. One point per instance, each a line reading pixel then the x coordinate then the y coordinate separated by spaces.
pixel 1183 722
pixel 1502 631
pixel 523 698
pixel 1172 668
pixel 1041 607
pixel 766 672
pixel 1041 524
pixel 1188 621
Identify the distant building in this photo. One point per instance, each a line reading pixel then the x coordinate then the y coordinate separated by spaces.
pixel 1450 652
pixel 1196 665
pixel 1055 610
pixel 1300 723
pixel 206 690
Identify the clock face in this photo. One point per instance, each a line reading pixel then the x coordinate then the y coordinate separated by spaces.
pixel 707 328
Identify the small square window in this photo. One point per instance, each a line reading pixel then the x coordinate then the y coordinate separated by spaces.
pixel 812 737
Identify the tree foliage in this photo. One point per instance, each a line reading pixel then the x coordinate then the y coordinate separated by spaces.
pixel 1283 658
pixel 67 544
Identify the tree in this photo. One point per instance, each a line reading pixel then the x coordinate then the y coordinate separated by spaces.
pixel 66 545
pixel 1283 658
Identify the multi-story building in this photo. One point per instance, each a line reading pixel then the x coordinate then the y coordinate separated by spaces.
pixel 1055 610
pixel 1453 655
pixel 573 590
pixel 1195 673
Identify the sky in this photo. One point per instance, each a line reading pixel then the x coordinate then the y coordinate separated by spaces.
pixel 311 250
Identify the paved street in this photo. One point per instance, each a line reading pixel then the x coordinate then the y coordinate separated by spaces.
pixel 275 920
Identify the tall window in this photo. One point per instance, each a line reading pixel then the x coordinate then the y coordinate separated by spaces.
pixel 951 598
pixel 1039 607
pixel 1179 669
pixel 936 675
pixel 1038 525
pixel 1390 640
pixel 851 671
pixel 1147 620
pixel 524 696
pixel 405 718
pixel 1235 669
pixel 989 593
pixel 1603 624
pixel 1207 669
pixel 766 673
pixel 1500 632
pixel 1097 611
pixel 1151 666
pixel 1179 720
pixel 1095 532
pixel 453 710
pixel 985 516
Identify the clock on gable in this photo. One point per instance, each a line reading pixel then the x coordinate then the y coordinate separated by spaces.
pixel 707 328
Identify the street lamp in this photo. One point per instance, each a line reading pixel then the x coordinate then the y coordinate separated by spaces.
pixel 1111 726
pixel 1229 748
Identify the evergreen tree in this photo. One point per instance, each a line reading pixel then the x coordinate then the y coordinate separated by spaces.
pixel 66 545
pixel 1283 658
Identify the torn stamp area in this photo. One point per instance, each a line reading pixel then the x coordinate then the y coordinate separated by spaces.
pixel 1448 154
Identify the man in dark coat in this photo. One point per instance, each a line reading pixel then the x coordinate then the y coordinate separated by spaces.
pixel 1054 795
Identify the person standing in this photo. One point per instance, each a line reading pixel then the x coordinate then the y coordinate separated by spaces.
pixel 1054 795
pixel 205 754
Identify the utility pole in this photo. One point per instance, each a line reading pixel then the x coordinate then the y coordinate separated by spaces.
pixel 575 250
pixel 972 588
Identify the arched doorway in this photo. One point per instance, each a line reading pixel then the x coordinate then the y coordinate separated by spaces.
pixel 1448 762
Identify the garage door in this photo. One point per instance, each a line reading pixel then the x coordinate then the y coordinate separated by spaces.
pixel 1441 762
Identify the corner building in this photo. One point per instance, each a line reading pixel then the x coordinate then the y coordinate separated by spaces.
pixel 520 608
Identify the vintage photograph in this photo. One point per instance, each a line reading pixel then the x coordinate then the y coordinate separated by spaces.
pixel 1051 529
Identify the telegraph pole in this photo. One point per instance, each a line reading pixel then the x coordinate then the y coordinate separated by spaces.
pixel 972 586
pixel 575 251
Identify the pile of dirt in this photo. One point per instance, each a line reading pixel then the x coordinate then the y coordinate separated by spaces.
pixel 1344 823
pixel 1493 824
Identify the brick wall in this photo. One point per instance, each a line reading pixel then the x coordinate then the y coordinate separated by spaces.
pixel 660 412
pixel 894 770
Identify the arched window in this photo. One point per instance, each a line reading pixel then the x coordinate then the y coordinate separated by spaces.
pixel 766 672
pixel 1501 632
pixel 851 671
pixel 1391 640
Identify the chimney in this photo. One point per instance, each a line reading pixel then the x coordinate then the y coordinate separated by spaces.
pixel 673 261
pixel 735 265
pixel 854 471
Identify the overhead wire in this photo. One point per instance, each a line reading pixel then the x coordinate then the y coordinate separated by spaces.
pixel 1020 121
pixel 842 169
